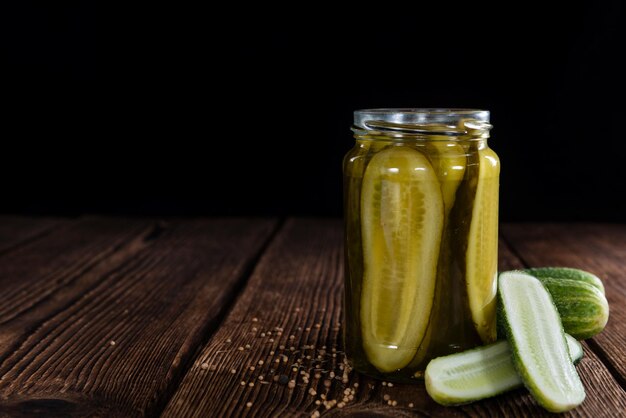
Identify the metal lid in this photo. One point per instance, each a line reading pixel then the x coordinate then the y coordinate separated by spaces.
pixel 421 120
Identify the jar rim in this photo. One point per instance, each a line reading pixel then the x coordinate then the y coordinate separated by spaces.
pixel 418 116
pixel 453 122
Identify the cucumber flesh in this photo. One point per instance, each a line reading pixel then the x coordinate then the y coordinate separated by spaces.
pixel 538 346
pixel 482 248
pixel 479 373
pixel 575 349
pixel 401 222
pixel 566 273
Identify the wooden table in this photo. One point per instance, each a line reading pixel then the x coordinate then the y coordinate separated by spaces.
pixel 147 317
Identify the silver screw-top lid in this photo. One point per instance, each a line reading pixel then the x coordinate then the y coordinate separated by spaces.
pixel 414 120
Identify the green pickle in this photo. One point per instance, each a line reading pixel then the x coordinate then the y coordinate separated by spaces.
pixel 401 225
pixel 421 221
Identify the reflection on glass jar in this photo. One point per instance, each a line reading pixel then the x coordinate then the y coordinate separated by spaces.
pixel 421 229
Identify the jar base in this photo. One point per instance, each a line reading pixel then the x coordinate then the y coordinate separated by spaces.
pixel 415 376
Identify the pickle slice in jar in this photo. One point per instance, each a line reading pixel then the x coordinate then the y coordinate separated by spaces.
pixel 448 160
pixel 401 221
pixel 481 262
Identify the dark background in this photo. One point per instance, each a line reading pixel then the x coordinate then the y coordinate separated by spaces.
pixel 240 111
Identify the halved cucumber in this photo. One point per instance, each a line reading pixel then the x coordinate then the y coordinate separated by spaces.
pixel 578 297
pixel 448 160
pixel 479 373
pixel 482 247
pixel 539 350
pixel 402 222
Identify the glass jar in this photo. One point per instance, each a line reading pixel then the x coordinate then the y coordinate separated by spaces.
pixel 421 238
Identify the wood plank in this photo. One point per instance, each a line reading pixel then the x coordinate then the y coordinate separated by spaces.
pixel 598 248
pixel 102 318
pixel 15 230
pixel 43 276
pixel 296 291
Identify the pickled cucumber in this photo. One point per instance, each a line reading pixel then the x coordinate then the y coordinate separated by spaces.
pixel 402 217
pixel 448 160
pixel 481 265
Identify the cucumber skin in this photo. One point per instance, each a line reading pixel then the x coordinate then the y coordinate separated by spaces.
pixel 503 324
pixel 566 273
pixel 584 310
pixel 440 401
pixel 582 306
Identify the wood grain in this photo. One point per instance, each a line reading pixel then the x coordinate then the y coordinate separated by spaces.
pixel 17 230
pixel 101 317
pixel 297 286
pixel 598 248
pixel 41 277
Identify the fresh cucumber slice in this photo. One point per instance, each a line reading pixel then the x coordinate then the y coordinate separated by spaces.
pixel 566 273
pixel 482 247
pixel 539 351
pixel 581 304
pixel 575 349
pixel 479 373
pixel 402 222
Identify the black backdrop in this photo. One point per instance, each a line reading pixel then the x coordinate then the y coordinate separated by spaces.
pixel 177 111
